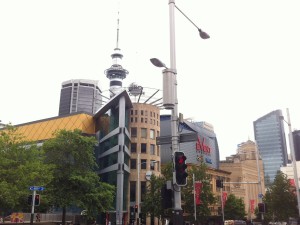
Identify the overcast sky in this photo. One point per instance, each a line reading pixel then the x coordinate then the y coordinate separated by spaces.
pixel 248 68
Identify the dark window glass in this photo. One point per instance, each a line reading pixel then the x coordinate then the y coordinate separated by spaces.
pixel 133 131
pixel 143 148
pixel 133 147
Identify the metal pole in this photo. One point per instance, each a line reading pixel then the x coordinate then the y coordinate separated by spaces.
pixel 177 212
pixel 195 212
pixel 32 207
pixel 222 205
pixel 259 180
pixel 138 189
pixel 292 148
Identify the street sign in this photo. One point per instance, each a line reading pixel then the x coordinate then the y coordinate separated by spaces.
pixel 185 137
pixel 36 188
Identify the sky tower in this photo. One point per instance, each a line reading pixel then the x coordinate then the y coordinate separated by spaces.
pixel 116 73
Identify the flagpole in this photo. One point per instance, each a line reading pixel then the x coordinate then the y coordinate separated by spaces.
pixel 222 203
pixel 194 197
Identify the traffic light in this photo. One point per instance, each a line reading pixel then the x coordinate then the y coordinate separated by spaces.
pixel 132 214
pixel 166 197
pixel 143 218
pixel 37 200
pixel 219 183
pixel 180 168
pixel 136 208
pixel 261 208
pixel 29 199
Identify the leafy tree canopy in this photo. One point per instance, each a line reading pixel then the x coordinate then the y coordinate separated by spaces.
pixel 234 208
pixel 206 197
pixel 280 195
pixel 76 182
pixel 21 166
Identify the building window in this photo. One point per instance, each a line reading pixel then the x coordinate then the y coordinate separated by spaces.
pixel 143 164
pixel 131 120
pixel 143 190
pixel 152 164
pixel 146 113
pixel 142 112
pixel 152 134
pixel 131 112
pixel 152 149
pixel 135 119
pixel 144 132
pixel 132 191
pixel 133 132
pixel 143 148
pixel 150 113
pixel 142 120
pixel 133 164
pixel 146 120
pixel 158 150
pixel 136 112
pixel 133 147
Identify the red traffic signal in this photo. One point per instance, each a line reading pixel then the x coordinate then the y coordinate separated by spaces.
pixel 261 208
pixel 180 168
pixel 37 200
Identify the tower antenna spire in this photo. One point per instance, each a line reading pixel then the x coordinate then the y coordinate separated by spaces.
pixel 116 73
pixel 118 28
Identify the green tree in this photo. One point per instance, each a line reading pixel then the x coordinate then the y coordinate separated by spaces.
pixel 152 199
pixel 206 197
pixel 21 166
pixel 76 182
pixel 234 208
pixel 279 196
pixel 151 205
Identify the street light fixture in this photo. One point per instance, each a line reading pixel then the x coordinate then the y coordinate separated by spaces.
pixel 171 102
pixel 294 163
pixel 138 185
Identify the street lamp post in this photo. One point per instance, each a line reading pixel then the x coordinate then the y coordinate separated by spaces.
pixel 171 101
pixel 138 186
pixel 294 162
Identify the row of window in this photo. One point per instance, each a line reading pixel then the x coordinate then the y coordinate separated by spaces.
pixel 143 164
pixel 143 133
pixel 144 113
pixel 143 149
pixel 144 120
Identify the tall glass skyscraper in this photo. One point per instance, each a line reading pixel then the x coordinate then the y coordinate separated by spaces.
pixel 270 139
pixel 79 95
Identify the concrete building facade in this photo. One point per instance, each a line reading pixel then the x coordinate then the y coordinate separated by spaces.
pixel 79 95
pixel 247 176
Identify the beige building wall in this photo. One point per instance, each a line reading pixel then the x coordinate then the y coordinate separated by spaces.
pixel 246 172
pixel 145 119
pixel 218 174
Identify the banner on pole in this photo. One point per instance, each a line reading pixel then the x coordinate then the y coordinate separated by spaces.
pixel 224 197
pixel 252 202
pixel 198 189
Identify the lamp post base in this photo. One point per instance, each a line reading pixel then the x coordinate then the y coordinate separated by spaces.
pixel 178 217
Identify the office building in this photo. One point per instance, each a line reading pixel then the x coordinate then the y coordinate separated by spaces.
pixel 296 136
pixel 247 176
pixel 204 148
pixel 270 139
pixel 79 95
